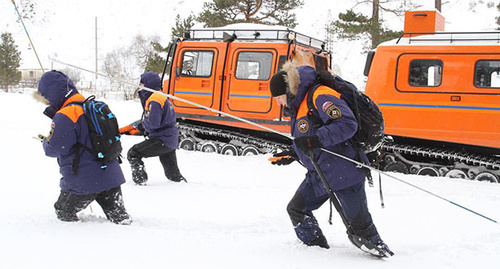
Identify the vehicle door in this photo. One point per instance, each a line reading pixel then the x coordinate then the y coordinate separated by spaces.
pixel 195 77
pixel 248 92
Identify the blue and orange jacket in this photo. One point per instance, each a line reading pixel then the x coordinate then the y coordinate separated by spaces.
pixel 159 115
pixel 69 127
pixel 339 125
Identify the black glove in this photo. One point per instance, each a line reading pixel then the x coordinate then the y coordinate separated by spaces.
pixel 138 125
pixel 50 112
pixel 284 158
pixel 306 144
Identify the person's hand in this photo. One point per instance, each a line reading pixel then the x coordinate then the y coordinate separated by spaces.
pixel 306 144
pixel 40 138
pixel 283 158
pixel 138 125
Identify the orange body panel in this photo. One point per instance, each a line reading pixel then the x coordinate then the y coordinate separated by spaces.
pixel 452 108
pixel 423 21
pixel 237 82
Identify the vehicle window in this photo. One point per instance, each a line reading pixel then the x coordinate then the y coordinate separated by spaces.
pixel 254 65
pixel 487 74
pixel 281 62
pixel 425 73
pixel 197 63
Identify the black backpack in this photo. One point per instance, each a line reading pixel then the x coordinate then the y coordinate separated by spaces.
pixel 103 130
pixel 370 133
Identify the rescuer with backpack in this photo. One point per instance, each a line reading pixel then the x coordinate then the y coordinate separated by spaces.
pixel 85 177
pixel 158 125
pixel 337 126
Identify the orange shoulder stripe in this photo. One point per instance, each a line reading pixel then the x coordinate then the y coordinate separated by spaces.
pixel 159 98
pixel 73 112
pixel 303 109
pixel 324 90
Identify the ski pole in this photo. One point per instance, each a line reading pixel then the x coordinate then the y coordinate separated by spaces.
pixel 282 134
pixel 358 241
pixel 29 38
pixel 333 198
pixel 409 184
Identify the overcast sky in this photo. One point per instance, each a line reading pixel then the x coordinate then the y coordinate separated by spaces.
pixel 68 29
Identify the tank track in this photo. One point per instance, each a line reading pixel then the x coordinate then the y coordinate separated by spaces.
pixel 227 142
pixel 439 162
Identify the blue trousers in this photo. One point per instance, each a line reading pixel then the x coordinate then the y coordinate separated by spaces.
pixel 353 201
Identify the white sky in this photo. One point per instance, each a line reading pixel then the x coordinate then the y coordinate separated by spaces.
pixel 68 32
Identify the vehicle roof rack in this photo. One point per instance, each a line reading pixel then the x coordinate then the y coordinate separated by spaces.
pixel 285 35
pixel 451 37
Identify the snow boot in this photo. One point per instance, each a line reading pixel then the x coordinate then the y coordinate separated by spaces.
pixel 319 241
pixel 139 175
pixel 177 178
pixel 375 246
pixel 66 216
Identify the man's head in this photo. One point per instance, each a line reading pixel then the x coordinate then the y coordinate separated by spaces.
pixel 149 80
pixel 56 87
pixel 278 86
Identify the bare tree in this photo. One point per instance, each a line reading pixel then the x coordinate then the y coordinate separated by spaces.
pixel 142 49
pixel 120 65
pixel 126 63
pixel 74 74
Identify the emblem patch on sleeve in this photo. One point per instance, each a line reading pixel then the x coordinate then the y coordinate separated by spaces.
pixel 331 110
pixel 148 110
pixel 303 126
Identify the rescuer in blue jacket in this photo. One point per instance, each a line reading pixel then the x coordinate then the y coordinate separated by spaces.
pixel 290 88
pixel 69 129
pixel 158 124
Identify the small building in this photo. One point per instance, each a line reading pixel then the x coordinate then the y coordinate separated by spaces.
pixel 30 77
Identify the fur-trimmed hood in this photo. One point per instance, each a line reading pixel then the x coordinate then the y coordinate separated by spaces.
pixel 299 79
pixel 55 87
pixel 292 77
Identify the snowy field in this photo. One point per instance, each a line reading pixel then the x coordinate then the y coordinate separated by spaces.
pixel 231 214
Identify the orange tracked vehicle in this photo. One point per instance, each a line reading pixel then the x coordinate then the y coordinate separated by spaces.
pixel 439 93
pixel 228 69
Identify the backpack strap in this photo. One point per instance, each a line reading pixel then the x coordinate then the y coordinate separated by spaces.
pixel 312 112
pixel 79 145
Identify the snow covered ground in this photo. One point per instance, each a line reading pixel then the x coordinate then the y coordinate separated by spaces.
pixel 231 214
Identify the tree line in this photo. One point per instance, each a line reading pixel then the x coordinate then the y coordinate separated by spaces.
pixel 145 52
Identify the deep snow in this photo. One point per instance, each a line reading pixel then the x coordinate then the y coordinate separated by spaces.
pixel 231 214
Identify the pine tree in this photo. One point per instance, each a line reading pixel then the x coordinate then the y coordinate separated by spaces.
pixel 154 61
pixel 10 59
pixel 274 12
pixel 181 25
pixel 354 26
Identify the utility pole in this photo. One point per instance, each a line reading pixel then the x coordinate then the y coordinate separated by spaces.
pixel 437 4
